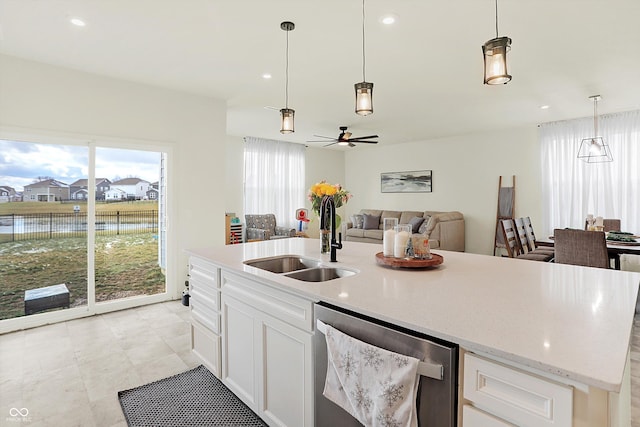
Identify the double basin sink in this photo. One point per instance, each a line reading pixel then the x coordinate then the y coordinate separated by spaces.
pixel 300 268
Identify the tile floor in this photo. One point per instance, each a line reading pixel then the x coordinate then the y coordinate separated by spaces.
pixel 68 374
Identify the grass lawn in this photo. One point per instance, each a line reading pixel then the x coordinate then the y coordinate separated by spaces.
pixel 57 207
pixel 126 265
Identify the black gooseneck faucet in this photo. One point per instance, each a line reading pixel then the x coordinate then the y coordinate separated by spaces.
pixel 328 203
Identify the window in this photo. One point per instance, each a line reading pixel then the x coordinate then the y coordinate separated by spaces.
pixel 572 189
pixel 274 179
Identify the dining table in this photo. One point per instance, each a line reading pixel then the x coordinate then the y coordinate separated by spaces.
pixel 614 248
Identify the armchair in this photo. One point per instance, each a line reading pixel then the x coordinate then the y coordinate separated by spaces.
pixel 263 227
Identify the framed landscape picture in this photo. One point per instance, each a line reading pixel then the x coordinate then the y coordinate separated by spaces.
pixel 406 182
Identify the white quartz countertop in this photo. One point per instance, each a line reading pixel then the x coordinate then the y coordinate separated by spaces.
pixel 569 321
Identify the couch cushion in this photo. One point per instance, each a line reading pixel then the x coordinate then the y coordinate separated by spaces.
pixel 373 234
pixel 357 220
pixel 415 223
pixel 355 232
pixel 407 215
pixel 371 222
pixel 371 211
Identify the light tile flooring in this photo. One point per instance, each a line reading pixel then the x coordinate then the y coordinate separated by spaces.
pixel 68 374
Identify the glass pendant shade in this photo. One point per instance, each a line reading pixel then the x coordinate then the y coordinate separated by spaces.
pixel 495 61
pixel 364 98
pixel 594 149
pixel 286 120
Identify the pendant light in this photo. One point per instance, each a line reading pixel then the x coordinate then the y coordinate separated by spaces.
pixel 495 58
pixel 287 114
pixel 364 89
pixel 594 149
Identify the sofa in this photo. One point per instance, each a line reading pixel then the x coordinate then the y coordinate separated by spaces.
pixel 263 227
pixel 445 230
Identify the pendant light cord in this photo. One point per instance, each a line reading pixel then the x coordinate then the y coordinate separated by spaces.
pixel 286 73
pixel 496 18
pixel 595 117
pixel 363 55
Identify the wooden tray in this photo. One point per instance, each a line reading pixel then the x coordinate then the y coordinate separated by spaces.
pixel 409 262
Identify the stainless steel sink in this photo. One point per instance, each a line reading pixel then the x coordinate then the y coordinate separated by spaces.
pixel 283 264
pixel 320 274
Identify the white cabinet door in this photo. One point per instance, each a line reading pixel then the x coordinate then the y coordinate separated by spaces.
pixel 206 346
pixel 472 417
pixel 266 360
pixel 240 344
pixel 288 373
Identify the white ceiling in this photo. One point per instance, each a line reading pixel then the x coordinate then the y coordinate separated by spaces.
pixel 427 68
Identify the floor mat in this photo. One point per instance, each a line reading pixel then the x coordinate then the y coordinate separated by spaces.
pixel 193 398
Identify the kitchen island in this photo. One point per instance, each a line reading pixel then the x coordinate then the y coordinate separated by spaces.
pixel 571 325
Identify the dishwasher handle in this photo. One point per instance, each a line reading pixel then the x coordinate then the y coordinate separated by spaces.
pixel 426 369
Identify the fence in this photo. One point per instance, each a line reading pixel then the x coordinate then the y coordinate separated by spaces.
pixel 58 225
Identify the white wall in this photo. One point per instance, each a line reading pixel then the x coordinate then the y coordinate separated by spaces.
pixel 465 169
pixel 58 101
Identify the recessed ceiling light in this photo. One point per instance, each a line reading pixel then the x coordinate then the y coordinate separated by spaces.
pixel 544 107
pixel 77 21
pixel 266 76
pixel 388 19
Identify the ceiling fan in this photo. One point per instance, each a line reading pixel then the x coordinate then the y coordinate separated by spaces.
pixel 345 138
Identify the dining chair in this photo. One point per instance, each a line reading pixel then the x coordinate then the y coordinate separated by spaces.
pixel 608 224
pixel 579 247
pixel 512 245
pixel 531 237
pixel 526 247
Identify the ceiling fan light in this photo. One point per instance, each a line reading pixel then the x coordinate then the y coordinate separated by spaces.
pixel 364 98
pixel 495 61
pixel 287 120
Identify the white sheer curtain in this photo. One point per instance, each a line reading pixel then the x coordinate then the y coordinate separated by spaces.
pixel 274 179
pixel 571 188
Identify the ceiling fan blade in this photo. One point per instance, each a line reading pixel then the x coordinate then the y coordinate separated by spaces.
pixel 330 144
pixel 364 142
pixel 323 140
pixel 322 136
pixel 365 137
pixel 346 135
pixel 351 144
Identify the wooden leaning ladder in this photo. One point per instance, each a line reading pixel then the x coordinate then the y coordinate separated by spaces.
pixel 506 205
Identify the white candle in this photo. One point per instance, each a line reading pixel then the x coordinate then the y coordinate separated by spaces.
pixel 400 244
pixel 387 242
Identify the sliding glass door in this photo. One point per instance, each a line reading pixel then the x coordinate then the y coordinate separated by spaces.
pixel 82 229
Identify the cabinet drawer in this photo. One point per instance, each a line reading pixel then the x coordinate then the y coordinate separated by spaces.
pixel 206 346
pixel 517 396
pixel 205 315
pixel 472 417
pixel 204 271
pixel 204 295
pixel 286 307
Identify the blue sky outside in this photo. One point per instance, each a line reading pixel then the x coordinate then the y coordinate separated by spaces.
pixel 21 163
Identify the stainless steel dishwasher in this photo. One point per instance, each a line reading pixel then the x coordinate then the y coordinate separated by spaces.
pixel 437 389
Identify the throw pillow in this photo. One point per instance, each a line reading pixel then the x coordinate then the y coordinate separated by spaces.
pixel 357 220
pixel 423 227
pixel 415 223
pixel 371 222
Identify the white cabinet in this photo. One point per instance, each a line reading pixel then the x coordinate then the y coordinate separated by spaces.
pixel 267 351
pixel 475 418
pixel 497 393
pixel 204 288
